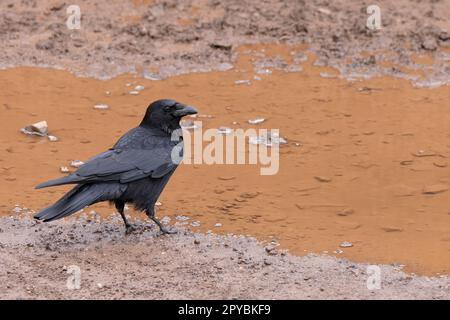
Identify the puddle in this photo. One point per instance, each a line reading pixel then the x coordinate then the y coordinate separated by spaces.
pixel 359 158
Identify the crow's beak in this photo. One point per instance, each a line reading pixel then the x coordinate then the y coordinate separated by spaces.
pixel 185 111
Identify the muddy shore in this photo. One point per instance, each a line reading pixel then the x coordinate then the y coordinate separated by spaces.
pixel 375 197
pixel 183 266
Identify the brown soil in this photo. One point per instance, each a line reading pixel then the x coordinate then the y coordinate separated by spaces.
pixel 182 266
pixel 378 145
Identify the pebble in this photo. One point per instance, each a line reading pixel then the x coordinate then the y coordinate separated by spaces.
pixel 134 92
pixel 158 203
pixel 238 82
pixel 195 224
pixel 256 121
pixel 224 130
pixel 64 170
pixel 346 244
pixel 76 163
pixel 139 88
pixel 101 106
pixel 52 138
pixel 39 128
pixel 217 225
pixel 269 140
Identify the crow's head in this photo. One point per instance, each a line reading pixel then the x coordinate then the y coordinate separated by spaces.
pixel 166 114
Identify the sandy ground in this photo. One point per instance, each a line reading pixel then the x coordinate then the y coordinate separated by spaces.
pixel 162 38
pixel 366 160
pixel 182 266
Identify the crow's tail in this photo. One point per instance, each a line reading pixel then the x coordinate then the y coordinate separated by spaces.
pixel 73 201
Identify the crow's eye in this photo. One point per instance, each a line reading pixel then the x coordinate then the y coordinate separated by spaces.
pixel 167 109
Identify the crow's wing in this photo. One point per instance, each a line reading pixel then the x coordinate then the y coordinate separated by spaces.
pixel 122 166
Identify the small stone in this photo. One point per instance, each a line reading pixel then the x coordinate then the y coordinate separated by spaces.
pixel 324 11
pixel 217 225
pixel 38 128
pixel 64 170
pixel 346 244
pixel 196 241
pixel 99 285
pixel 435 188
pixel 429 44
pixel 17 209
pixel 339 251
pixel 139 88
pixel 134 92
pixel 239 82
pixel 268 140
pixel 76 163
pixel 256 121
pixel 52 138
pixel 101 106
pixel 158 204
pixel 195 224
pixel 224 130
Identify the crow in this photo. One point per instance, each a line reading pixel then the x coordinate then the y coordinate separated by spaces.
pixel 135 170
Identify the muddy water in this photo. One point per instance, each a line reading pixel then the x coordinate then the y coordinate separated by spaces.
pixel 374 145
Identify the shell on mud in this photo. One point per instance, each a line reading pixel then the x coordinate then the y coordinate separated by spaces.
pixel 76 163
pixel 101 106
pixel 223 130
pixel 346 244
pixel 39 128
pixel 256 121
pixel 268 140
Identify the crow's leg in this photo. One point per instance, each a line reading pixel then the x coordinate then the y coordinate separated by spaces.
pixel 151 214
pixel 120 206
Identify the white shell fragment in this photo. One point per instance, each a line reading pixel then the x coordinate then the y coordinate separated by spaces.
pixel 52 138
pixel 346 244
pixel 76 163
pixel 238 82
pixel 64 170
pixel 269 139
pixel 134 92
pixel 256 121
pixel 101 106
pixel 224 130
pixel 139 88
pixel 38 128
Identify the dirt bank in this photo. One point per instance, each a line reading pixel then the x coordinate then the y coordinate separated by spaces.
pixel 366 160
pixel 162 38
pixel 147 266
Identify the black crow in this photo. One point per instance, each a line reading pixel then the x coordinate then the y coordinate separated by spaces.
pixel 135 170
